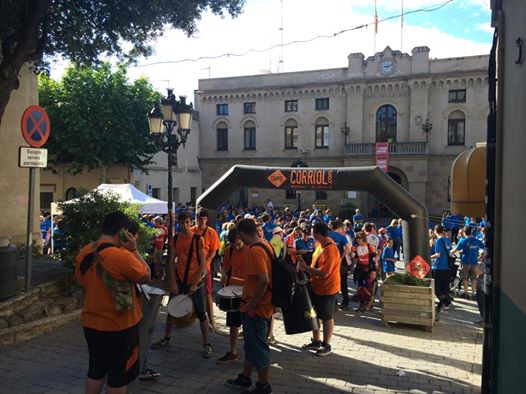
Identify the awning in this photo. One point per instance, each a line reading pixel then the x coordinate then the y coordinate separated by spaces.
pixel 468 182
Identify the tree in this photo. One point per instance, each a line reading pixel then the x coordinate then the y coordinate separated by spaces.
pixel 86 31
pixel 98 118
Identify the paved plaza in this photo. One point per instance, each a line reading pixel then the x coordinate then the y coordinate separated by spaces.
pixel 367 358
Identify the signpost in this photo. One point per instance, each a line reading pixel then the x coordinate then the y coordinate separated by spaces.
pixel 36 129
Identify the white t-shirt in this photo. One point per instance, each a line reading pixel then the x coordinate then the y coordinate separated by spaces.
pixel 373 240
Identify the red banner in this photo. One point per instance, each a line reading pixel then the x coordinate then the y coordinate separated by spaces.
pixel 382 155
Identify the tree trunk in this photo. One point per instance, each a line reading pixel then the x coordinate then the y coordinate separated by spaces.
pixel 20 47
pixel 104 175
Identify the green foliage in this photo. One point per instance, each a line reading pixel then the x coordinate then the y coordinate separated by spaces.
pixel 407 280
pixel 83 218
pixel 99 118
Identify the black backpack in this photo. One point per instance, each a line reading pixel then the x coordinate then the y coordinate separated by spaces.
pixel 284 279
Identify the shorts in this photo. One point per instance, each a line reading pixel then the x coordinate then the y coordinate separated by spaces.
pixel 198 300
pixel 114 354
pixel 324 305
pixel 209 282
pixel 255 332
pixel 468 272
pixel 233 319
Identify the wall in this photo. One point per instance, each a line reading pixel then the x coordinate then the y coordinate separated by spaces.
pixel 14 181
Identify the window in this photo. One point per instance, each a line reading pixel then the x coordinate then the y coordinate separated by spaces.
pixel 250 135
pixel 46 198
pixel 249 108
pixel 322 104
pixel 321 195
pixel 291 105
pixel 175 195
pixel 456 128
pixel 386 118
pixel 321 133
pixel 156 192
pixel 291 134
pixel 222 136
pixel 290 194
pixel 71 193
pixel 193 194
pixel 457 96
pixel 222 109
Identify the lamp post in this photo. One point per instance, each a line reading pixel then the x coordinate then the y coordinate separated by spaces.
pixel 163 119
pixel 298 164
pixel 427 126
pixel 345 130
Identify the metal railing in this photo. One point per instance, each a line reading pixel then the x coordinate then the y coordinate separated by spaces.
pixel 395 148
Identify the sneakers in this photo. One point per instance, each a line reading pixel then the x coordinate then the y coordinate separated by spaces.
pixel 324 350
pixel 162 343
pixel 241 382
pixel 149 374
pixel 227 358
pixel 343 307
pixel 260 389
pixel 313 345
pixel 207 351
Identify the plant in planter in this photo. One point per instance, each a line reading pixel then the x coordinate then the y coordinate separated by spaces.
pixel 406 299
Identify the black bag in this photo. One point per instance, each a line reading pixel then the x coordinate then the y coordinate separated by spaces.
pixel 284 279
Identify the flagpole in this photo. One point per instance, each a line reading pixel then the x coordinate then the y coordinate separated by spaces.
pixel 402 26
pixel 375 25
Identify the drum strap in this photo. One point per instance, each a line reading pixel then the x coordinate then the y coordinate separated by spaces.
pixel 189 261
pixel 271 255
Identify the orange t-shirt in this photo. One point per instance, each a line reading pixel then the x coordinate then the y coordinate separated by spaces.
pixel 329 262
pixel 182 248
pixel 99 310
pixel 258 262
pixel 235 260
pixel 211 240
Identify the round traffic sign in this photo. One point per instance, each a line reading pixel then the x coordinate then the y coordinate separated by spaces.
pixel 35 126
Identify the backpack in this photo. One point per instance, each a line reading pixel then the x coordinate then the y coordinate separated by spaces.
pixel 284 279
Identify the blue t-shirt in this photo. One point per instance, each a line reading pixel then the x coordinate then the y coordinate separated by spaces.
pixel 308 245
pixel 328 218
pixel 469 248
pixel 339 239
pixel 388 253
pixel 394 232
pixel 442 246
pixel 267 230
pixel 357 219
pixel 350 233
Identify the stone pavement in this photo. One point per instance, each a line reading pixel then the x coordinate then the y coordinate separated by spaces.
pixel 367 358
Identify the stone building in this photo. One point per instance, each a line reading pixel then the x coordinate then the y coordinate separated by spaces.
pixel 428 110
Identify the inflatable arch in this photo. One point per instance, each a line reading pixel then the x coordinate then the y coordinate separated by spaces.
pixel 370 179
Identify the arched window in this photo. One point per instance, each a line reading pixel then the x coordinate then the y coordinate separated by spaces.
pixel 456 125
pixel 321 133
pixel 222 136
pixel 291 134
pixel 71 193
pixel 386 124
pixel 250 135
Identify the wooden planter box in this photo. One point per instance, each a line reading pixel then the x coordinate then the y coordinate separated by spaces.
pixel 409 304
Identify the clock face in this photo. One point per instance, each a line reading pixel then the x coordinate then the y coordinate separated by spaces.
pixel 387 67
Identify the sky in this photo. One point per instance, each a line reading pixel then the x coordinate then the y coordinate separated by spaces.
pixel 459 28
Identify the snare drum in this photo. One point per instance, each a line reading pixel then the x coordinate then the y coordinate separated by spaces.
pixel 228 298
pixel 182 310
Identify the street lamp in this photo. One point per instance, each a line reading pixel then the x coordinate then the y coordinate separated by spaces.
pixel 163 119
pixel 345 130
pixel 427 126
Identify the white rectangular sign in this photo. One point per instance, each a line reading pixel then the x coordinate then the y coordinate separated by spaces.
pixel 32 157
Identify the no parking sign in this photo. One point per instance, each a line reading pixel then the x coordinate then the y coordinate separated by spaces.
pixel 35 126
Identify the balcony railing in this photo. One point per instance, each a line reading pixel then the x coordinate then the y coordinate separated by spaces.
pixel 395 148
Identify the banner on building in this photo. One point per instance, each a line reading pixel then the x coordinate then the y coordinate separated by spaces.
pixel 382 155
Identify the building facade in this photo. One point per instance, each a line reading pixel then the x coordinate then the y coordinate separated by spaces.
pixel 428 110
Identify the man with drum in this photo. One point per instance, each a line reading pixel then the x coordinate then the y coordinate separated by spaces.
pixel 232 276
pixel 211 246
pixel 256 308
pixel 188 278
pixel 325 276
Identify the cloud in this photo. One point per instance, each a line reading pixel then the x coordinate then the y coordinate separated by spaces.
pixel 485 27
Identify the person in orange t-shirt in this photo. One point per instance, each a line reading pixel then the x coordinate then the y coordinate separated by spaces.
pixel 233 273
pixel 211 246
pixel 325 277
pixel 111 334
pixel 188 278
pixel 256 308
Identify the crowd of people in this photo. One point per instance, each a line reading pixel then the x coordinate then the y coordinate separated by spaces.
pixel 324 247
